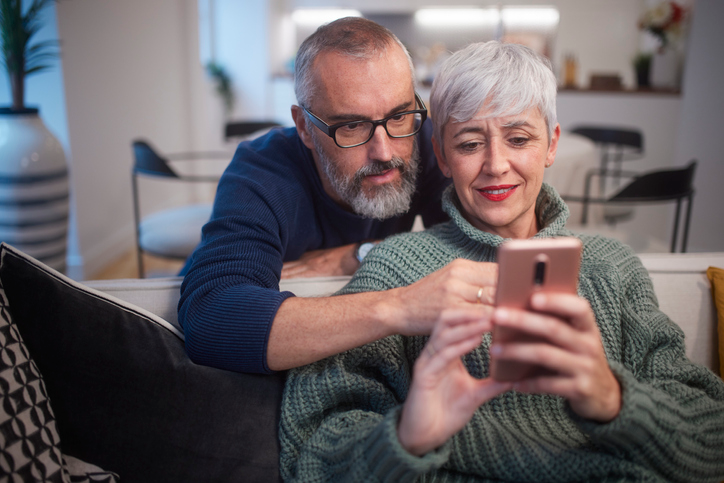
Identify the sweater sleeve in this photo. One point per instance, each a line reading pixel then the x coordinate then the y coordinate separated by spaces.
pixel 339 419
pixel 672 416
pixel 230 293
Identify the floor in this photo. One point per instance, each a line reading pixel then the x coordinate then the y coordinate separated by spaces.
pixel 127 267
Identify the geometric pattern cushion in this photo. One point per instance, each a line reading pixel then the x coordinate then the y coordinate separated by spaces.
pixel 28 436
pixel 29 441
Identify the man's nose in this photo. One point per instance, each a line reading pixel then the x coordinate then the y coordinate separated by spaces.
pixel 380 146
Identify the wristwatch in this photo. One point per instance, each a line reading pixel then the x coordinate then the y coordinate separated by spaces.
pixel 363 249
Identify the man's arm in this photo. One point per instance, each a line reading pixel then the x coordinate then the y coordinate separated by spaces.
pixel 306 330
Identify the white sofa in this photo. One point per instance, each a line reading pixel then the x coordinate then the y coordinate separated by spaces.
pixel 679 280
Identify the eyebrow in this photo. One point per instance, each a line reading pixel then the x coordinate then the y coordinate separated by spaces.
pixel 336 119
pixel 479 130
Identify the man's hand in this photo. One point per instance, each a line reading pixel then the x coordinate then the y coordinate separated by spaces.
pixel 568 342
pixel 462 284
pixel 323 263
pixel 444 396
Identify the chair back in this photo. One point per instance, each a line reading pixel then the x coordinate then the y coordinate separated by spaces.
pixel 669 184
pixel 148 162
pixel 244 128
pixel 612 136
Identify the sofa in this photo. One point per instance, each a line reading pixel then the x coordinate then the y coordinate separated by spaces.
pixel 124 400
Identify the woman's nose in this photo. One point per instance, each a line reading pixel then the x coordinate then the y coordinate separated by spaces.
pixel 496 159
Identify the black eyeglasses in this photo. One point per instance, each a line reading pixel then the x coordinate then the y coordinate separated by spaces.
pixel 355 133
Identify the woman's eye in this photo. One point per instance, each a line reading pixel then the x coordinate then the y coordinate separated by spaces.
pixel 469 147
pixel 518 141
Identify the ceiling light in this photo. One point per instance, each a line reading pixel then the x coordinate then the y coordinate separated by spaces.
pixel 545 17
pixel 457 16
pixel 319 16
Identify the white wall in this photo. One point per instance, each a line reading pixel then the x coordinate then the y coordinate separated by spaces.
pixel 700 124
pixel 127 75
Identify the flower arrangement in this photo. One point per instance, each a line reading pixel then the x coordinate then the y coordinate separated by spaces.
pixel 665 21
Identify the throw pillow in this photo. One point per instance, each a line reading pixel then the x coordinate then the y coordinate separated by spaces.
pixel 29 441
pixel 716 277
pixel 126 396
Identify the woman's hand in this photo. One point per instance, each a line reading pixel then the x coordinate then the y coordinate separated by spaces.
pixel 570 345
pixel 461 285
pixel 443 395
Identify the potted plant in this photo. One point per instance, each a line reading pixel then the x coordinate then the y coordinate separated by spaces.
pixel 642 66
pixel 33 172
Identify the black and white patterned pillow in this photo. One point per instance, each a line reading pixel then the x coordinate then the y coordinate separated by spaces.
pixel 29 440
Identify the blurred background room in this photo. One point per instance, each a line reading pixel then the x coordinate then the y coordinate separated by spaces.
pixel 175 73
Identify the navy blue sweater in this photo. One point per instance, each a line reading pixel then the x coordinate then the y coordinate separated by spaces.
pixel 270 208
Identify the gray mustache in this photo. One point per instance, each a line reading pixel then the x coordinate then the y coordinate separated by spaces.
pixel 378 167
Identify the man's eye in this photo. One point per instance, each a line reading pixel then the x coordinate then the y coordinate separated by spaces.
pixel 352 127
pixel 398 119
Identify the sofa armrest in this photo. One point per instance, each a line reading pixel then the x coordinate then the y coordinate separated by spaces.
pixel 684 294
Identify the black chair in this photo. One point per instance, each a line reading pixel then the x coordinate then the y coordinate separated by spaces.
pixel 174 232
pixel 615 145
pixel 241 129
pixel 655 186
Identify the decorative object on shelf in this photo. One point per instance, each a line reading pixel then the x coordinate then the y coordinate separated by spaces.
pixel 223 85
pixel 570 73
pixel 666 22
pixel 34 194
pixel 642 67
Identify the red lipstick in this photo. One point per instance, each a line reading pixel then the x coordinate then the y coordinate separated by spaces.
pixel 498 193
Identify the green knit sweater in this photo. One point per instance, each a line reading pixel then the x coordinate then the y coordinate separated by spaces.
pixel 339 415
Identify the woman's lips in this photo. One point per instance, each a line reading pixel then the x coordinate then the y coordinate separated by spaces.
pixel 498 193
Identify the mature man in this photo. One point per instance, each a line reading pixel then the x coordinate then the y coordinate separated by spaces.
pixel 298 202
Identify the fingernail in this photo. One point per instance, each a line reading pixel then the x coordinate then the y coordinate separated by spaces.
pixel 538 299
pixel 495 350
pixel 502 315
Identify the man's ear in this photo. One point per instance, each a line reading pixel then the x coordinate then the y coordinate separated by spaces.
pixel 440 158
pixel 300 120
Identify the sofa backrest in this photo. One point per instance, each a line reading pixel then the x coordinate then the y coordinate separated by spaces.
pixel 680 283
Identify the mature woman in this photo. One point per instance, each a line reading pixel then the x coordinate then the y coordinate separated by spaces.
pixel 623 403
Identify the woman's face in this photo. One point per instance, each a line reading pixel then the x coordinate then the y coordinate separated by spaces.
pixel 497 168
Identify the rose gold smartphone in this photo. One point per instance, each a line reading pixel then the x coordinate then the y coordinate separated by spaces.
pixel 525 267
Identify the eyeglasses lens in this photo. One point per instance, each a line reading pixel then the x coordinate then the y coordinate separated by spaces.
pixel 356 133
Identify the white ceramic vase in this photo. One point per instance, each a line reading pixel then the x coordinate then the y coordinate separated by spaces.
pixel 34 194
pixel 665 69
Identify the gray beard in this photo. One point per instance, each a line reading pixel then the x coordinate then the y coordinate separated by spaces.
pixel 380 202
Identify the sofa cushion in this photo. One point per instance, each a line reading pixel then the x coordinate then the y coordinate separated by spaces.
pixel 126 396
pixel 29 441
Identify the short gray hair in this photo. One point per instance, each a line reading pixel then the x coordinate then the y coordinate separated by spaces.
pixel 505 78
pixel 355 37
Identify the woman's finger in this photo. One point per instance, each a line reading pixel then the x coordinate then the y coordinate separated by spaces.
pixel 570 307
pixel 544 327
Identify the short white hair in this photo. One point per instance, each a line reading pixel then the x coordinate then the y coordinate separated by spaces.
pixel 506 79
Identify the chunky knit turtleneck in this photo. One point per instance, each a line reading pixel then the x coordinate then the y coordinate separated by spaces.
pixel 339 416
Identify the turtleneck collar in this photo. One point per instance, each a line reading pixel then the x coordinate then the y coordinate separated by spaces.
pixel 550 209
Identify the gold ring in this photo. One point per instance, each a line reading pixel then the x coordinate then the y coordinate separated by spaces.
pixel 480 295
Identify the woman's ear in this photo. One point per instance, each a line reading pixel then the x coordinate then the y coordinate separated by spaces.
pixel 300 120
pixel 442 164
pixel 553 146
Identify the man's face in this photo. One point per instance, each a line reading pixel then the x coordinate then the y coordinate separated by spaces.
pixel 376 179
